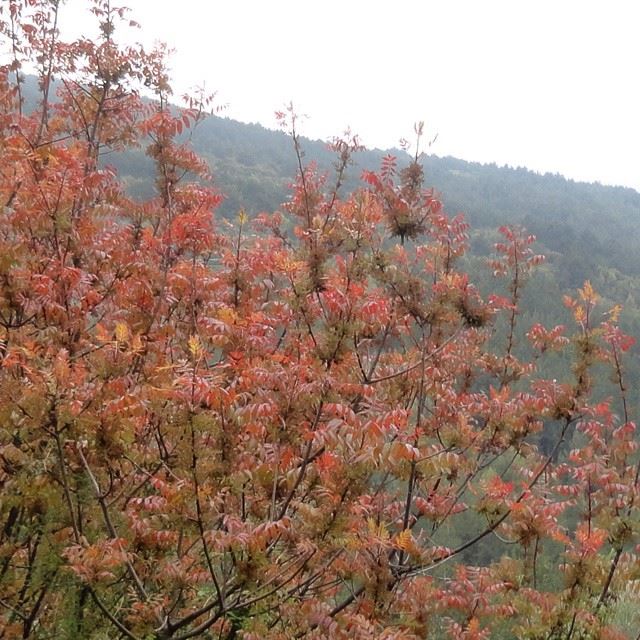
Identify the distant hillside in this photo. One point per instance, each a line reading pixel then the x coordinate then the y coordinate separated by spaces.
pixel 583 227
pixel 253 165
pixel 587 231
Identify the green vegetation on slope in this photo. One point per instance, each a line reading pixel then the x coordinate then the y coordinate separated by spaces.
pixel 587 231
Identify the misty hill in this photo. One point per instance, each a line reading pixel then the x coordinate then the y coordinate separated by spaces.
pixel 587 231
pixel 584 228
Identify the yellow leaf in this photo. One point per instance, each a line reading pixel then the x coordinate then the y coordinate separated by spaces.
pixel 227 315
pixel 194 346
pixel 587 293
pixel 122 332
pixel 404 540
pixel 377 530
pixel 614 314
pixel 242 217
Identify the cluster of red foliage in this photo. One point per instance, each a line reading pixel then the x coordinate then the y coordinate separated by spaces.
pixel 275 434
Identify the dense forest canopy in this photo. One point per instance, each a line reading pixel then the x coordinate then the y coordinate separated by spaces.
pixel 324 410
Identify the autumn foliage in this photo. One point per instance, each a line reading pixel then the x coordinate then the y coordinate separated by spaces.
pixel 303 425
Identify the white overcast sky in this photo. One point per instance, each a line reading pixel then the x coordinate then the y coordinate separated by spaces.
pixel 553 85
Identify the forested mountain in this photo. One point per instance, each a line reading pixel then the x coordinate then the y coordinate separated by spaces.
pixel 590 225
pixel 586 231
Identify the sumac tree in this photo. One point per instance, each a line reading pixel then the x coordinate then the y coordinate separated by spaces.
pixel 298 426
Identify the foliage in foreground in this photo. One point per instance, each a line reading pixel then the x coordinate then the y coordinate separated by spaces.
pixel 217 433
